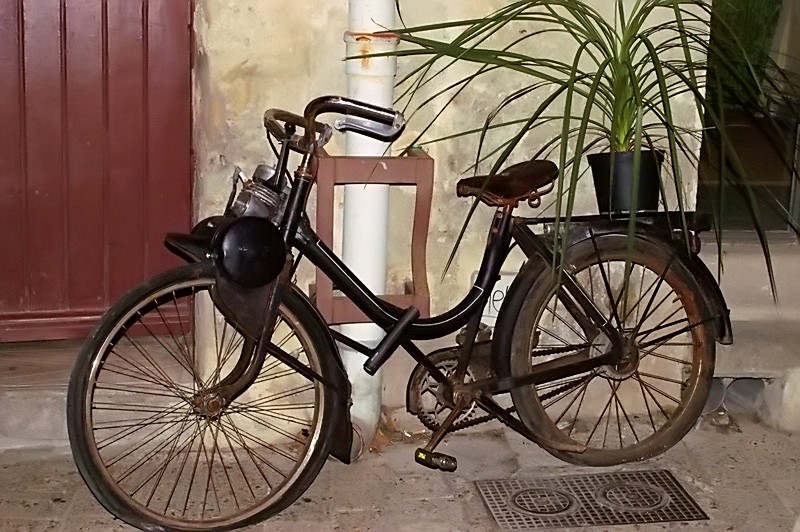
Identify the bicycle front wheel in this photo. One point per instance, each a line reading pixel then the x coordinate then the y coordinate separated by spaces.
pixel 645 404
pixel 155 451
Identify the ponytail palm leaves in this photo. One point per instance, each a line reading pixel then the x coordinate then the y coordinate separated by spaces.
pixel 585 76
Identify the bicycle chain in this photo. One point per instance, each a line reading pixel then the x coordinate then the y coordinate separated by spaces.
pixel 483 419
pixel 461 425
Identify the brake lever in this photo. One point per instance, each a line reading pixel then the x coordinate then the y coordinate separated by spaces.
pixel 370 128
pixel 298 141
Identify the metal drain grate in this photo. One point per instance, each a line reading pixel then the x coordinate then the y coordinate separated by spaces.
pixel 623 498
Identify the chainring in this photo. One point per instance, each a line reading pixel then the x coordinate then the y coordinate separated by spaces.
pixel 425 396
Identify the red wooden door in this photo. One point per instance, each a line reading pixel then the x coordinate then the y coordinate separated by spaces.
pixel 95 155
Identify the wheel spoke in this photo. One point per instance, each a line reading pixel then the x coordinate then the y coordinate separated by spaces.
pixel 250 437
pixel 250 452
pixel 606 283
pixel 659 279
pixel 643 293
pixel 637 307
pixel 663 324
pixel 627 419
pixel 567 324
pixel 155 419
pixel 150 438
pixel 673 334
pixel 140 372
pixel 178 476
pixel 155 439
pixel 647 405
pixel 656 389
pixel 653 397
pixel 653 352
pixel 170 455
pixel 599 419
pixel 661 378
pixel 129 389
pixel 165 347
pixel 182 357
pixel 581 386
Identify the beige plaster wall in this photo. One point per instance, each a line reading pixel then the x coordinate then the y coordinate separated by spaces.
pixel 255 54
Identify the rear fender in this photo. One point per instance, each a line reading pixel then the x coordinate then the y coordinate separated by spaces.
pixel 709 288
pixel 536 266
pixel 661 235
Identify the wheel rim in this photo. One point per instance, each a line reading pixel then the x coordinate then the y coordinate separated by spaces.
pixel 163 447
pixel 617 410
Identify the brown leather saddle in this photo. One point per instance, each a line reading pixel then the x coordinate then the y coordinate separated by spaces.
pixel 522 181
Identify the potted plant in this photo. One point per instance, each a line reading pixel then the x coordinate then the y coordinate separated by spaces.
pixel 615 94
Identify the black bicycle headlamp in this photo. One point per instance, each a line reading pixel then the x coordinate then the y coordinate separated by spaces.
pixel 249 251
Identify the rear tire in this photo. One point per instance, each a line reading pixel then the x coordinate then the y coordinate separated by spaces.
pixel 158 456
pixel 634 410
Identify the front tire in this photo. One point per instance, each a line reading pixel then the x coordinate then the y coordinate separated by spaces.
pixel 638 408
pixel 154 451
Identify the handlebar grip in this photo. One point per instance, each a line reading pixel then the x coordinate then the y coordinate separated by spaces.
pixel 380 123
pixel 393 121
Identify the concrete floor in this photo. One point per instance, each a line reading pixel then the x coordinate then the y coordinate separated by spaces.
pixel 744 476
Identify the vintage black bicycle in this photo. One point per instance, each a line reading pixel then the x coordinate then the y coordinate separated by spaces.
pixel 210 396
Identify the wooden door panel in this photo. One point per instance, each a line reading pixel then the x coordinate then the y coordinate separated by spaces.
pixel 95 155
pixel 12 188
pixel 44 114
pixel 86 163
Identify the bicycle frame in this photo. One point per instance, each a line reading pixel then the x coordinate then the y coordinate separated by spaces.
pixel 403 326
pixel 503 230
pixel 387 315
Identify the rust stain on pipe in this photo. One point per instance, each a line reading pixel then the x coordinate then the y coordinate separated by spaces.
pixel 366 42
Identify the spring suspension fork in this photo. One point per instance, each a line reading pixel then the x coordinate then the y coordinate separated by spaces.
pixel 249 366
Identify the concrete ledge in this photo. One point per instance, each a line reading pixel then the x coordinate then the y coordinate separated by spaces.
pixel 769 350
pixel 781 406
pixel 33 417
pixel 761 348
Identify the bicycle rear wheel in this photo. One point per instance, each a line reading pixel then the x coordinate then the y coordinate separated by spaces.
pixel 149 444
pixel 638 408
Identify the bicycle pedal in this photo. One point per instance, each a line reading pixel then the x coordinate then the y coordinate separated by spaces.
pixel 435 460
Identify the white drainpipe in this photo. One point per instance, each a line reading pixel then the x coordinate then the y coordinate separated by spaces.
pixel 366 207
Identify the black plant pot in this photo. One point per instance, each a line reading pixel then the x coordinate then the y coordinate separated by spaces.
pixel 615 194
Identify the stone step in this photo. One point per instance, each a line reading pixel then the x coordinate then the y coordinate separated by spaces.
pixel 33 380
pixel 762 349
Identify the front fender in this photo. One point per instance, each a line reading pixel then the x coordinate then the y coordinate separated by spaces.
pixel 196 247
pixel 343 439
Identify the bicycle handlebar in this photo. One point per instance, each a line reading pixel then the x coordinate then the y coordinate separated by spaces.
pixel 377 122
pixel 274 118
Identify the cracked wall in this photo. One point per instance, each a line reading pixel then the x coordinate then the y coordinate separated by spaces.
pixel 256 54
